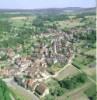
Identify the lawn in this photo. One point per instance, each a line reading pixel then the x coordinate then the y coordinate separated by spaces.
pixel 91 92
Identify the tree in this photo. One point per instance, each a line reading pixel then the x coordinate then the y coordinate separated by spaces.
pixel 4 91
pixel 74 81
pixel 57 91
pixel 49 97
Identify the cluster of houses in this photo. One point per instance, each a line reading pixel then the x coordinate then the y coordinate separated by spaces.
pixel 27 72
pixel 37 87
pixel 31 71
pixel 60 49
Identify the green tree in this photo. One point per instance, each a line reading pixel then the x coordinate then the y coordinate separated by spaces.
pixel 4 91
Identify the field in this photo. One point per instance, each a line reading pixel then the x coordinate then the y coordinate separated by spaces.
pixel 82 61
pixel 76 94
pixel 19 95
pixel 67 72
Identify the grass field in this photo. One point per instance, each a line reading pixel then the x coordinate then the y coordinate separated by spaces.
pixel 70 23
pixel 91 52
pixel 91 92
pixel 20 21
pixel 67 72
pixel 82 61
pixel 78 96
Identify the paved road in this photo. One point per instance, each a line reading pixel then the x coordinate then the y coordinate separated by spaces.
pixel 10 82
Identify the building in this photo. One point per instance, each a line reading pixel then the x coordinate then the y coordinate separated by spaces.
pixel 42 89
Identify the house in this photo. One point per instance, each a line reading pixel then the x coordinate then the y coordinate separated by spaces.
pixel 31 84
pixel 42 89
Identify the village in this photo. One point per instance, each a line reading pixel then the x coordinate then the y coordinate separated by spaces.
pixel 48 54
pixel 31 71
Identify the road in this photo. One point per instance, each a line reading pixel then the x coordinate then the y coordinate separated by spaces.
pixel 10 82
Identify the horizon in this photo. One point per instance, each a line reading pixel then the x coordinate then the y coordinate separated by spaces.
pixel 42 8
pixel 46 4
